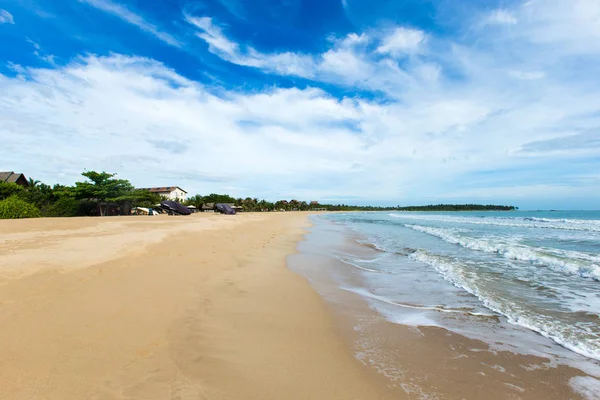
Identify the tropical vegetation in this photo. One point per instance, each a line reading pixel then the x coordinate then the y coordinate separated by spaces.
pixel 102 193
pixel 13 208
pixel 95 195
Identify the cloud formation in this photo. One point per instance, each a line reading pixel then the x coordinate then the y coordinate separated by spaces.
pixel 501 17
pixel 504 109
pixel 401 41
pixel 6 17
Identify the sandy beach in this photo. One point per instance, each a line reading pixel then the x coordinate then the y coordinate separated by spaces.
pixel 201 307
pixel 220 307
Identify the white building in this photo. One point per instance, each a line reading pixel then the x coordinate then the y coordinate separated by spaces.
pixel 171 193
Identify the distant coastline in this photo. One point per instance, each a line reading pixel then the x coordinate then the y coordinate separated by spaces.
pixel 103 194
pixel 459 207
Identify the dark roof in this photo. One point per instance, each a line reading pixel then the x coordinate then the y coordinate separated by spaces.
pixel 5 175
pixel 168 189
pixel 12 177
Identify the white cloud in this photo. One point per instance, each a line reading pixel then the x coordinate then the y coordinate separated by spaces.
pixel 501 101
pixel 347 62
pixel 6 17
pixel 117 113
pixel 531 75
pixel 500 17
pixel 569 26
pixel 287 63
pixel 352 39
pixel 481 119
pixel 41 54
pixel 141 119
pixel 213 35
pixel 132 18
pixel 402 41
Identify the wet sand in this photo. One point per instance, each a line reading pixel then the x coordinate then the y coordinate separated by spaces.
pixel 199 307
pixel 427 362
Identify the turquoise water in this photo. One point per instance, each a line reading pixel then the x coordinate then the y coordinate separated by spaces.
pixel 538 271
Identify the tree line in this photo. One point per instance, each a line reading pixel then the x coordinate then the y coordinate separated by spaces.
pixel 102 193
pixel 256 205
pixel 459 207
pixel 93 196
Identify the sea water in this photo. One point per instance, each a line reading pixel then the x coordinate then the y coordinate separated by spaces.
pixel 527 281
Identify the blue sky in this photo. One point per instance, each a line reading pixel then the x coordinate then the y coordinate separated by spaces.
pixel 356 101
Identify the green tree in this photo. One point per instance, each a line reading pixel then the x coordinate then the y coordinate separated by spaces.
pixel 9 189
pixel 62 190
pixel 249 204
pixel 218 198
pixel 101 188
pixel 13 207
pixel 195 200
pixel 33 182
pixel 139 198
pixel 65 206
pixel 40 195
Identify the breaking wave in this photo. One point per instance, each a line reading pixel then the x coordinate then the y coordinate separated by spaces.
pixel 563 261
pixel 520 222
pixel 571 336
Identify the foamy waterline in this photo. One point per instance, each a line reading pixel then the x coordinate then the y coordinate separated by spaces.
pixel 543 280
pixel 586 386
pixel 570 337
pixel 345 261
pixel 365 293
pixel 519 222
pixel 563 261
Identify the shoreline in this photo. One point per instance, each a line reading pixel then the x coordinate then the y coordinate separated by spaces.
pixel 431 361
pixel 224 307
pixel 180 308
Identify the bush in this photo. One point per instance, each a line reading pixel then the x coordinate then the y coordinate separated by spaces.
pixel 64 207
pixel 9 189
pixel 13 207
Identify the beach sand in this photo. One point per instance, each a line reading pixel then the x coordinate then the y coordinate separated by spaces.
pixel 199 307
pixel 204 307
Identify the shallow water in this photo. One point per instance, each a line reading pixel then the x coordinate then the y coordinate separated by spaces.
pixel 524 282
pixel 540 270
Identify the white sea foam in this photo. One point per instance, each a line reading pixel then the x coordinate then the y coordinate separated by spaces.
pixel 374 246
pixel 573 337
pixel 367 261
pixel 522 222
pixel 345 261
pixel 563 261
pixel 586 386
pixel 369 295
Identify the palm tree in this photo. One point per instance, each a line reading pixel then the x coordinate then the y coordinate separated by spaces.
pixel 33 182
pixel 195 201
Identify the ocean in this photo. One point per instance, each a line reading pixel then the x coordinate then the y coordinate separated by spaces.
pixel 524 282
